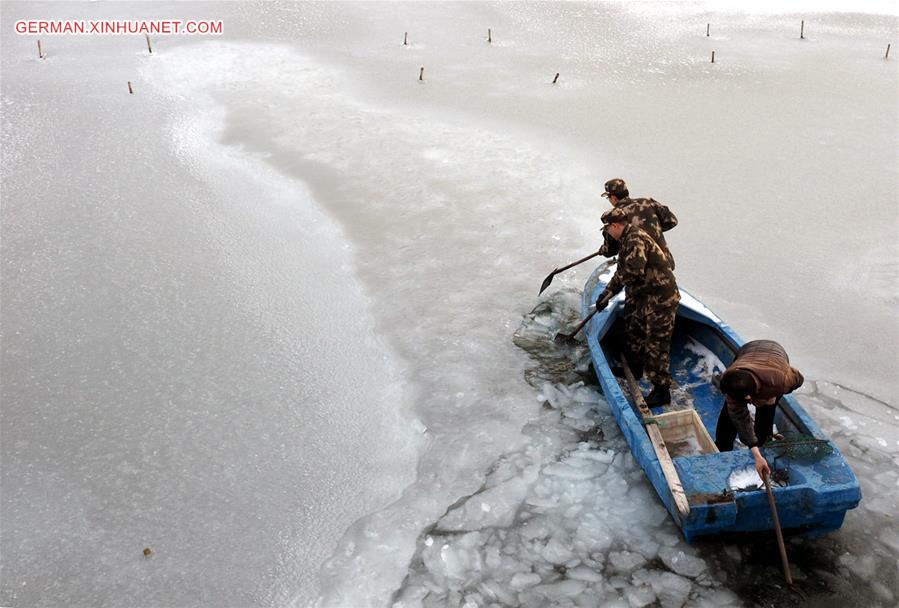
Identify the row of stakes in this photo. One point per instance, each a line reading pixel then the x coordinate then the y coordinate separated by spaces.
pixel 421 74
pixel 40 54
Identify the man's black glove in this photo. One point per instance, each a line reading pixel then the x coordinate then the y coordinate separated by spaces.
pixel 603 300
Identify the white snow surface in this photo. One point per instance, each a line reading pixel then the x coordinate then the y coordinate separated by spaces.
pixel 257 316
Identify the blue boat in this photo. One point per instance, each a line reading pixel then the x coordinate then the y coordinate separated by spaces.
pixel 814 484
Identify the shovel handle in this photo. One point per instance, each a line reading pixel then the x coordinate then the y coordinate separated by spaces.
pixel 573 264
pixel 581 325
pixel 549 277
pixel 561 338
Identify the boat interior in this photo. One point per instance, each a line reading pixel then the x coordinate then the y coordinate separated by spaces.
pixel 698 352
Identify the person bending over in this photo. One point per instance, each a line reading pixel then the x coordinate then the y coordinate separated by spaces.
pixel 760 374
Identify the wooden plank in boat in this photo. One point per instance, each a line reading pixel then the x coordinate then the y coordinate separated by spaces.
pixel 658 444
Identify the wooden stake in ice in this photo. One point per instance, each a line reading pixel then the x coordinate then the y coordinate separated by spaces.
pixel 802 30
pixel 556 79
pixel 130 90
pixel 489 35
pixel 887 56
pixel 40 52
pixel 707 25
pixel 421 74
pixel 406 39
pixel 149 46
pixel 713 56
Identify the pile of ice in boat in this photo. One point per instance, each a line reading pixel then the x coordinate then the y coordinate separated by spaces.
pixel 569 520
pixel 745 479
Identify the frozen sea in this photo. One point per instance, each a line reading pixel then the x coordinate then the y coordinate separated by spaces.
pixel 273 316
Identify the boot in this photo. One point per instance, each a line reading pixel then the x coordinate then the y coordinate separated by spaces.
pixel 660 395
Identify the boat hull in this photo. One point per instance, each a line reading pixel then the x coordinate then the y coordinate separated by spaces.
pixel 818 488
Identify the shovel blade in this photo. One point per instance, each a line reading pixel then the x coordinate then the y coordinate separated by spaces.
pixel 564 339
pixel 546 282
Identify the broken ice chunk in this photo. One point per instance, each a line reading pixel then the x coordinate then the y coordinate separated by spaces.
pixel 745 479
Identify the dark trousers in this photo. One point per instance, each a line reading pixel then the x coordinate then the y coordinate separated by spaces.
pixel 726 432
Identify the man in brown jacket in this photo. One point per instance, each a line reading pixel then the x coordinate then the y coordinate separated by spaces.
pixel 760 374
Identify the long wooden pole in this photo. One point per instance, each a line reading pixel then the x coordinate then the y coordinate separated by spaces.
pixel 777 530
pixel 658 443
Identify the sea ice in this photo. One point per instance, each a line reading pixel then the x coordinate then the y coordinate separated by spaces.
pixel 625 561
pixel 639 596
pixel 523 580
pixel 446 206
pixel 671 589
pixel 457 561
pixel 682 563
pixel 494 507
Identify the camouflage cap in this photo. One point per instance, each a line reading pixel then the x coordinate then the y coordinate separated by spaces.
pixel 615 187
pixel 614 216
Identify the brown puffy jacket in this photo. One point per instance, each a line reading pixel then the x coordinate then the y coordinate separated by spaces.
pixel 769 364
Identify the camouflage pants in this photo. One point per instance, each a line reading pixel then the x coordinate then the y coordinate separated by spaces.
pixel 635 336
pixel 649 328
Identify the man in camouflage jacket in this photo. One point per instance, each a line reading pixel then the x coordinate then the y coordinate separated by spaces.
pixel 654 218
pixel 760 374
pixel 646 213
pixel 644 268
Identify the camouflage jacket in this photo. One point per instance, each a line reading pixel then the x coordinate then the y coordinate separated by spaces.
pixel 643 268
pixel 648 214
pixel 769 364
